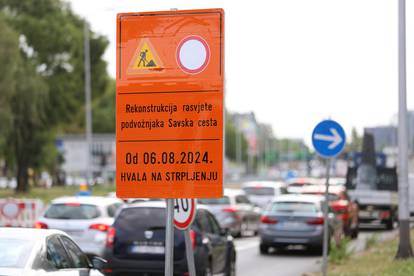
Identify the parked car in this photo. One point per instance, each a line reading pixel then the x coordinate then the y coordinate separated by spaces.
pixel 296 220
pixel 136 243
pixel 296 185
pixel 234 211
pixel 86 219
pixel 26 252
pixel 262 193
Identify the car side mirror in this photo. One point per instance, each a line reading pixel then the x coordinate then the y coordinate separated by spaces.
pixel 99 263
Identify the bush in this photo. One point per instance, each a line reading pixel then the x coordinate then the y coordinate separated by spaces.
pixel 340 253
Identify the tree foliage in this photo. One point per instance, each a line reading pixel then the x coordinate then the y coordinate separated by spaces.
pixel 45 94
pixel 231 136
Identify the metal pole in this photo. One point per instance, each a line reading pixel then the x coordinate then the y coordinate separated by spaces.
pixel 238 147
pixel 88 112
pixel 189 252
pixel 404 250
pixel 325 221
pixel 169 238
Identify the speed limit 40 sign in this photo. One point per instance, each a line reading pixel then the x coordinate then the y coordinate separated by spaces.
pixel 184 212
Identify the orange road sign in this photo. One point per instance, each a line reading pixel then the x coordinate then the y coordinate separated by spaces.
pixel 169 104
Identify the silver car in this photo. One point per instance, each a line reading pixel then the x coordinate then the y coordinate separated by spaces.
pixel 85 218
pixel 235 212
pixel 296 220
pixel 262 193
pixel 36 252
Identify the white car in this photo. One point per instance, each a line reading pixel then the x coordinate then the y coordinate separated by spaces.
pixel 262 193
pixel 37 252
pixel 85 218
pixel 296 185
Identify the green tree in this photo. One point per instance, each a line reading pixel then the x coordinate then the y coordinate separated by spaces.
pixel 231 134
pixel 49 94
pixel 356 141
pixel 103 111
pixel 9 56
pixel 53 35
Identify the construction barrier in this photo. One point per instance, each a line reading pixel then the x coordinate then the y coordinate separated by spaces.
pixel 20 212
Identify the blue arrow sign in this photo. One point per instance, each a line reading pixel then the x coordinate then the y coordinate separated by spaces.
pixel 328 138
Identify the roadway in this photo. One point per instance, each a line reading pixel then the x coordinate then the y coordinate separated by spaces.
pixel 293 262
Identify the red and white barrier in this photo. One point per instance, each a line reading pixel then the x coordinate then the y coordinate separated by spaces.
pixel 20 212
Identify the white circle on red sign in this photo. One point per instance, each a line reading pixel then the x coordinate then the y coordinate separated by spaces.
pixel 193 54
pixel 184 212
pixel 10 210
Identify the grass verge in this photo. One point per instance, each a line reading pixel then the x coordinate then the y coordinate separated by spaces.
pixel 46 195
pixel 378 259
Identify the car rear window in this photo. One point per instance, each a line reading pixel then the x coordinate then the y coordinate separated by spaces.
pixel 141 217
pixel 295 207
pixel 72 211
pixel 259 191
pixel 331 197
pixel 215 201
pixel 14 252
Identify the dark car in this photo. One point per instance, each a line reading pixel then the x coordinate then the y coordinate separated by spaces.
pixel 136 243
pixel 235 212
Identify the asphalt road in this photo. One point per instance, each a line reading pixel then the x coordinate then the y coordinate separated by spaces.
pixel 287 263
pixel 293 262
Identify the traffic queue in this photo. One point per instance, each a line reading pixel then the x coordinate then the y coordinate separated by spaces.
pixel 110 236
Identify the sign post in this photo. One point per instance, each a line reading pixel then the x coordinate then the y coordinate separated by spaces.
pixel 169 239
pixel 184 214
pixel 169 108
pixel 328 139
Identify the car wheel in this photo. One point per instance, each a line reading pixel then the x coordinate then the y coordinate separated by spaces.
pixel 264 249
pixel 318 250
pixel 231 267
pixel 389 224
pixel 355 232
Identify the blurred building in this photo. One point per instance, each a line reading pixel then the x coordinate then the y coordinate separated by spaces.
pixel 74 150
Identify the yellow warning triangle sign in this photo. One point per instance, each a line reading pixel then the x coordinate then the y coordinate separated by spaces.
pixel 145 59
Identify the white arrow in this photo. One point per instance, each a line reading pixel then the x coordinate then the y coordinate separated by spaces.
pixel 336 139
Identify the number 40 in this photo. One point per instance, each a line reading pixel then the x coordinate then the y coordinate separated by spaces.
pixel 184 204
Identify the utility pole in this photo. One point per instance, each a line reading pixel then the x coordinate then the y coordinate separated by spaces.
pixel 404 248
pixel 238 146
pixel 88 112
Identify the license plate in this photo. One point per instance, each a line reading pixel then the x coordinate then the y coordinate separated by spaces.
pixel 74 233
pixel 145 249
pixel 292 224
pixel 364 214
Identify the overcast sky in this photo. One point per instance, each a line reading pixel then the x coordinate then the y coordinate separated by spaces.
pixel 296 62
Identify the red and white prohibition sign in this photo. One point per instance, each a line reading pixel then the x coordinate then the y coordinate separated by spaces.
pixel 193 54
pixel 184 212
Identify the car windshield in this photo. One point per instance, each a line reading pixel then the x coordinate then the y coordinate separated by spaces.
pixel 72 211
pixel 215 201
pixel 259 191
pixel 14 252
pixel 293 207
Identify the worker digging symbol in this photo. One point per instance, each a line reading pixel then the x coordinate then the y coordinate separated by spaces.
pixel 145 59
